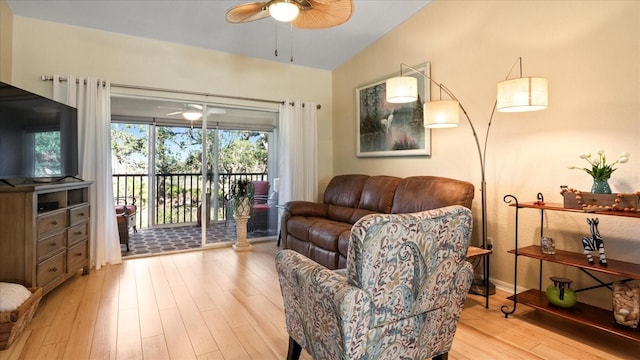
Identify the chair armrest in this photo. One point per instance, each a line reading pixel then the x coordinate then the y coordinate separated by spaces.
pixel 322 308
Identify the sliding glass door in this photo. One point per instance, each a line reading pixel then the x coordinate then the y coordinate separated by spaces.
pixel 181 171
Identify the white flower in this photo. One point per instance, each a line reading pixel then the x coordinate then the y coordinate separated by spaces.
pixel 600 170
pixel 624 157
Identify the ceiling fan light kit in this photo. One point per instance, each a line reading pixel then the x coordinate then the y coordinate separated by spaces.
pixel 284 11
pixel 192 115
pixel 303 14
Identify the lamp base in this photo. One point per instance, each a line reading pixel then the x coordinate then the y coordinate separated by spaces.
pixel 479 287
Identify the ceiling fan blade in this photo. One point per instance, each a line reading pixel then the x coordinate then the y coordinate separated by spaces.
pixel 313 2
pixel 174 113
pixel 247 12
pixel 324 14
pixel 194 106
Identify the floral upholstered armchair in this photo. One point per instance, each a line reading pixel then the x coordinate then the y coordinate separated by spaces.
pixel 401 295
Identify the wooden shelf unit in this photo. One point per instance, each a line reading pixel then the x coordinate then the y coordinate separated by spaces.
pixel 581 313
pixel 45 233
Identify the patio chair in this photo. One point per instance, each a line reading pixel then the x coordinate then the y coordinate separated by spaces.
pixel 260 213
pixel 126 215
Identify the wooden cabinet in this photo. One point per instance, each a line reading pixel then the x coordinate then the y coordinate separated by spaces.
pixel 584 314
pixel 44 233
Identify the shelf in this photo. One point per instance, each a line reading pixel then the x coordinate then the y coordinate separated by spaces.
pixel 474 252
pixel 581 313
pixel 560 207
pixel 614 267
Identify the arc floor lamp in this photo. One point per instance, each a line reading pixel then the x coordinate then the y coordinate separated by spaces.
pixel 513 95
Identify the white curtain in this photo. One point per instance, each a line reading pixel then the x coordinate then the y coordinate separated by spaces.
pixel 298 152
pixel 92 98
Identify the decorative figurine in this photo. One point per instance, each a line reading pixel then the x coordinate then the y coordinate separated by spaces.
pixel 594 243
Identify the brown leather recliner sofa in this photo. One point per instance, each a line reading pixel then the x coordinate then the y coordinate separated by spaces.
pixel 321 231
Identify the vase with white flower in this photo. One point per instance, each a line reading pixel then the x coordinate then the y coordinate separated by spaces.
pixel 600 171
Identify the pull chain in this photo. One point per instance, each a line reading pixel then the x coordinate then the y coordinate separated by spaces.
pixel 276 51
pixel 291 59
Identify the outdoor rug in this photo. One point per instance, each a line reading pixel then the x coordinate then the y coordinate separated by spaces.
pixel 150 241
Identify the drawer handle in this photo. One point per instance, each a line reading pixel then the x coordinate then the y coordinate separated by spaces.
pixel 53 269
pixel 53 243
pixel 78 254
pixel 81 214
pixel 54 222
pixel 78 233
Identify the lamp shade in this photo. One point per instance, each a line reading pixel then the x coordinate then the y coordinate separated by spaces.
pixel 522 94
pixel 402 89
pixel 192 115
pixel 441 114
pixel 284 11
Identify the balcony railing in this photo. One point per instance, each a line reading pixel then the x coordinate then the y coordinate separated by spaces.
pixel 177 196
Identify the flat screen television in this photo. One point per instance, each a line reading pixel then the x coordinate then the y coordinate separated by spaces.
pixel 38 137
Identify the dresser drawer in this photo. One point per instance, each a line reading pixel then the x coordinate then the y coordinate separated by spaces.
pixel 77 256
pixel 51 222
pixel 48 246
pixel 78 214
pixel 50 269
pixel 77 233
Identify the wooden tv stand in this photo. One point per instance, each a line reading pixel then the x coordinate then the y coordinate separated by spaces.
pixel 45 233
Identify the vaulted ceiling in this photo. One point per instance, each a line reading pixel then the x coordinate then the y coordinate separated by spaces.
pixel 202 24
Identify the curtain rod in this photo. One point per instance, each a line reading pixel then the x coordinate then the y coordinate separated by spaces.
pixel 50 78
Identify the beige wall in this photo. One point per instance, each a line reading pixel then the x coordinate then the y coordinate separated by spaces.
pixel 41 47
pixel 588 50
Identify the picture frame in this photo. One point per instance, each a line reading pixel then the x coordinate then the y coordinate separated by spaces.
pixel 387 129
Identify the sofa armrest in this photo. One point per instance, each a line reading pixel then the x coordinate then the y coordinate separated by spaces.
pixel 323 308
pixel 299 208
pixel 306 208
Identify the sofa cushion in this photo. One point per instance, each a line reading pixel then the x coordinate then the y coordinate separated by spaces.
pixel 420 193
pixel 341 213
pixel 325 234
pixel 299 226
pixel 377 194
pixel 345 190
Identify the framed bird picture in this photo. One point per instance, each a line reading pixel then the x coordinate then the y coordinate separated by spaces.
pixel 388 129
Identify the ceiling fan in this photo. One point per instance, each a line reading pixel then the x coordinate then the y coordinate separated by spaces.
pixel 303 14
pixel 189 111
pixel 193 112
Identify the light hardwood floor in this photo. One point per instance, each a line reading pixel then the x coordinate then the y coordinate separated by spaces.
pixel 218 304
